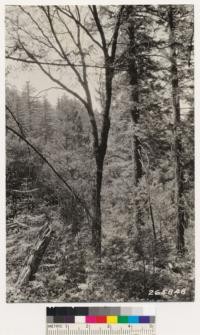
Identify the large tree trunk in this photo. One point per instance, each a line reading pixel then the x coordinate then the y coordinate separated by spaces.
pixel 135 114
pixel 100 146
pixel 100 153
pixel 96 224
pixel 176 133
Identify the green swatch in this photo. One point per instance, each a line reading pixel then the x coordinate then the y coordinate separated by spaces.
pixel 122 319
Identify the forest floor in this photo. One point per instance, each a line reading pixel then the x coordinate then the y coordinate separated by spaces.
pixel 67 274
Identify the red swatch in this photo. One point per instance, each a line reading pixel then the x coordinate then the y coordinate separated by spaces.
pixel 101 319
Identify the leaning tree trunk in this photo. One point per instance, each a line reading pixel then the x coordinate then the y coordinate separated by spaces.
pixel 177 136
pixel 33 260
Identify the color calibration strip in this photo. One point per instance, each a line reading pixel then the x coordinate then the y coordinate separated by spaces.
pixel 99 321
pixel 111 319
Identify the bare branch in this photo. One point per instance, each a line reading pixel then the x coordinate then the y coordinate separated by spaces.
pixel 28 33
pixel 94 12
pixel 40 29
pixel 87 90
pixel 47 13
pixel 67 28
pixel 115 35
pixel 36 61
pixel 62 53
pixel 54 63
pixel 78 13
pixel 69 15
pixel 16 121
pixel 47 89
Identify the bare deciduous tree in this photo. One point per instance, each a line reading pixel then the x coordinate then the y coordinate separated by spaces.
pixel 62 38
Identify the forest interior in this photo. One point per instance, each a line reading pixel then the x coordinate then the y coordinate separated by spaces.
pixel 100 163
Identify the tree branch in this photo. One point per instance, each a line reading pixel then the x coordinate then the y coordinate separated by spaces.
pixel 115 35
pixel 35 61
pixel 69 15
pixel 94 12
pixel 54 63
pixel 16 121
pixel 87 90
pixel 62 52
pixel 40 29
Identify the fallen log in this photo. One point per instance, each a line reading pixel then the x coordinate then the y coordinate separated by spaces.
pixel 34 259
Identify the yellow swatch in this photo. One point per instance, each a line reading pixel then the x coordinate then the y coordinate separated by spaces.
pixel 112 319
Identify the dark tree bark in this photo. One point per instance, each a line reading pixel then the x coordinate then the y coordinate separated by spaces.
pixel 100 146
pixel 100 155
pixel 176 134
pixel 135 114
